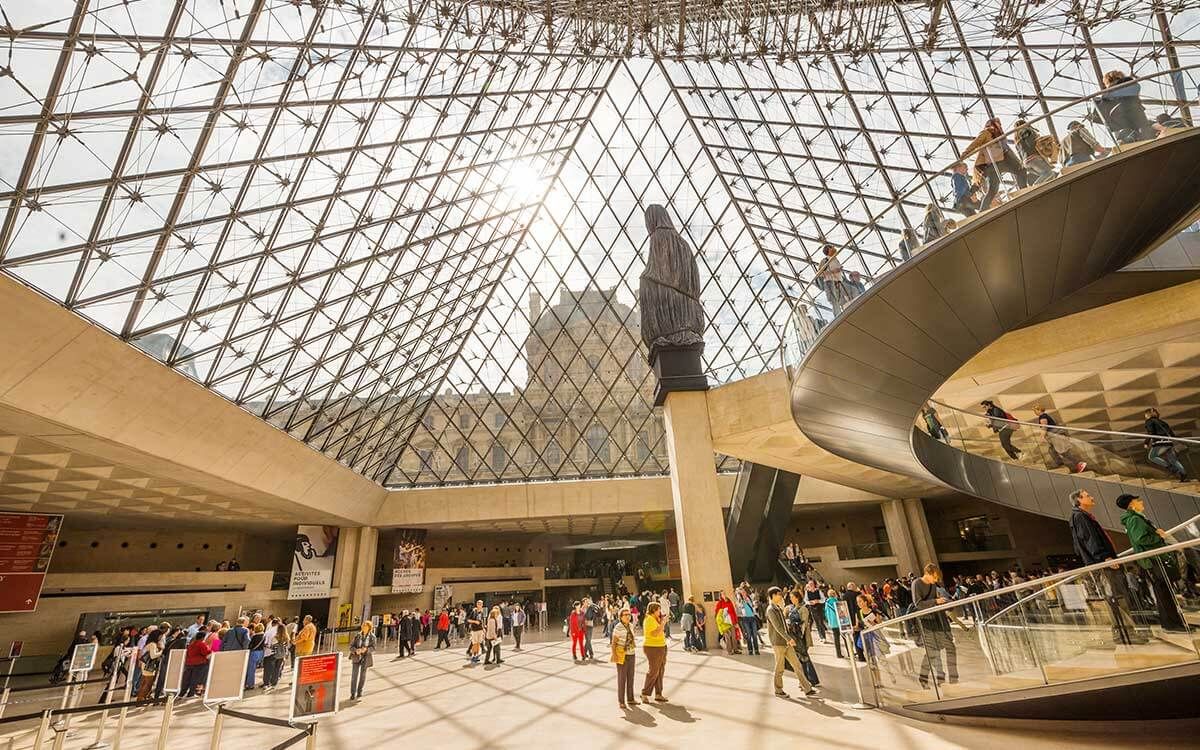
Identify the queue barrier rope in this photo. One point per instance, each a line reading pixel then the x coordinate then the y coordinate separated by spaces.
pixel 82 709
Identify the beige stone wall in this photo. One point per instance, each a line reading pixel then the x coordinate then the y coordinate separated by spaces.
pixel 86 549
pixel 482 579
pixel 1034 536
pixel 844 527
pixel 49 629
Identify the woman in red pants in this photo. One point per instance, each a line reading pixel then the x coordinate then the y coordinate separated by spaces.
pixel 575 628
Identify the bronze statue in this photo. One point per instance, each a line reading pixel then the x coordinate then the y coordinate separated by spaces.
pixel 672 316
pixel 669 288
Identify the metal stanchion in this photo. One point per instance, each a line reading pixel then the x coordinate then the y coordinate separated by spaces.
pixel 311 742
pixel 12 660
pixel 216 734
pixel 4 699
pixel 133 655
pixel 60 736
pixel 861 704
pixel 42 729
pixel 99 742
pixel 166 722
pixel 66 700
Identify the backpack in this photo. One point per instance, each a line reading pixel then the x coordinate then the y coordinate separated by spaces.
pixel 1079 145
pixel 1047 146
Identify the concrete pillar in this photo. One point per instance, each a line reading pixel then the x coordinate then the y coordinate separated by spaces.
pixel 899 537
pixel 918 527
pixel 908 534
pixel 364 571
pixel 354 571
pixel 699 524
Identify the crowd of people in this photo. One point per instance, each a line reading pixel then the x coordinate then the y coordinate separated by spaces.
pixel 1058 445
pixel 271 643
pixel 1026 155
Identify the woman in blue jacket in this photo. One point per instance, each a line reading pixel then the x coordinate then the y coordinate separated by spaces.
pixel 831 619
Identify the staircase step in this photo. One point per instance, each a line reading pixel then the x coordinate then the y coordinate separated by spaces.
pixel 1094 663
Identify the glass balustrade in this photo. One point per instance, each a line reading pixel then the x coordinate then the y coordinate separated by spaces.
pixel 928 211
pixel 1114 456
pixel 864 551
pixel 1139 613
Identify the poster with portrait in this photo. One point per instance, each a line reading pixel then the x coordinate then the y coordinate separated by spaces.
pixel 408 568
pixel 315 687
pixel 312 562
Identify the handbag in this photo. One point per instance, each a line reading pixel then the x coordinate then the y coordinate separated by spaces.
pixel 618 654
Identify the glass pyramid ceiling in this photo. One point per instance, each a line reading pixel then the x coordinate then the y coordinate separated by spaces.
pixel 409 233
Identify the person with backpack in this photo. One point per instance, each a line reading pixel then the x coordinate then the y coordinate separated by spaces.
pixel 965 200
pixel 1079 145
pixel 1033 148
pixel 1120 108
pixel 1161 447
pixel 1002 424
pixel 934 633
pixel 994 157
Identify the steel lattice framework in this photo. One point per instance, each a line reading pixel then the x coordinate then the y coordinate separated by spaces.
pixel 409 233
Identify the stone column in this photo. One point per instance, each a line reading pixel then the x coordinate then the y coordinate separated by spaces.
pixel 908 534
pixel 918 527
pixel 699 523
pixel 364 572
pixel 354 571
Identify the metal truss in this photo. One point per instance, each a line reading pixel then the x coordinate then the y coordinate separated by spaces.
pixel 409 234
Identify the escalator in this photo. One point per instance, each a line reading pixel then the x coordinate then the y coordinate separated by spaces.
pixel 758 518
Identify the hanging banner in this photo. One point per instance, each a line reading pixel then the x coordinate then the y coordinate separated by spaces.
pixel 27 541
pixel 312 562
pixel 408 568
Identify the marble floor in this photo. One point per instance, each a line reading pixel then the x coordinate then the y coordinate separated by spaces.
pixel 541 698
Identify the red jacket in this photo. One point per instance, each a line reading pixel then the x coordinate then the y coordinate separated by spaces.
pixel 197 653
pixel 727 604
pixel 443 621
pixel 575 623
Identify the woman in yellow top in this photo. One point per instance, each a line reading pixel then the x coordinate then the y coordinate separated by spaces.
pixel 306 639
pixel 654 646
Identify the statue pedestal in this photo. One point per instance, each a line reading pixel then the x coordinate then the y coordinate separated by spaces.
pixel 678 368
pixel 699 521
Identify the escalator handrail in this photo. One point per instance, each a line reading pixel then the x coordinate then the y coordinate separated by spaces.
pixel 1038 582
pixel 1064 428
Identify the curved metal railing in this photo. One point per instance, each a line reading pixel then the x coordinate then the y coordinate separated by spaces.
pixel 1189 529
pixel 805 323
pixel 1153 461
pixel 1109 618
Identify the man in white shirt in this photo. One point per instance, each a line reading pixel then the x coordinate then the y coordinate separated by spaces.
pixel 195 627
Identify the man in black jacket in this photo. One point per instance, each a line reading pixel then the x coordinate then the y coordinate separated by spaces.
pixel 1161 448
pixel 1093 545
pixel 851 599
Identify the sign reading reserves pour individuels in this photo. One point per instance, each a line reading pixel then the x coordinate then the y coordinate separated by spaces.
pixel 27 542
